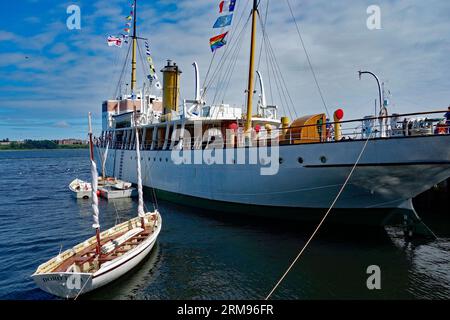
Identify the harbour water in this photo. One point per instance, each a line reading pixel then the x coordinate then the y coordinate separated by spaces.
pixel 205 255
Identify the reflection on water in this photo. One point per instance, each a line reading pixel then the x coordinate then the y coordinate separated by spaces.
pixel 129 286
pixel 429 265
pixel 204 255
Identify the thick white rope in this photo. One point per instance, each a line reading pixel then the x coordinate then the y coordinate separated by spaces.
pixel 322 221
pixel 141 212
pixel 105 156
pixel 94 174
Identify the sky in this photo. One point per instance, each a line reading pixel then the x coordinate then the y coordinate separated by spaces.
pixel 51 77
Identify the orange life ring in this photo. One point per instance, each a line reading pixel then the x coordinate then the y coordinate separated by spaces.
pixel 441 128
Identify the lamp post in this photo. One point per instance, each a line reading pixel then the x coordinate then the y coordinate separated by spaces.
pixel 379 86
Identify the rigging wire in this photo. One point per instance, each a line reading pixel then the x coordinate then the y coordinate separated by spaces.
pixel 231 52
pixel 262 42
pixel 119 83
pixel 324 217
pixel 117 57
pixel 143 65
pixel 279 79
pixel 225 78
pixel 230 71
pixel 225 54
pixel 215 52
pixel 308 57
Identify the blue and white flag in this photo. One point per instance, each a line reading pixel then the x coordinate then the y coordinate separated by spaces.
pixel 227 6
pixel 224 21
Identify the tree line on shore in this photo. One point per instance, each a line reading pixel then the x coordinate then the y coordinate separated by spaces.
pixel 39 144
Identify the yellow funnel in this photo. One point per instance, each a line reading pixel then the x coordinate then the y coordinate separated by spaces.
pixel 171 87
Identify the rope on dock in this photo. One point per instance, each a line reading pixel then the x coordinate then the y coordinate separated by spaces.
pixel 322 221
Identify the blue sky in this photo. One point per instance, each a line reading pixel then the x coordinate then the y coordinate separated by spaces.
pixel 51 77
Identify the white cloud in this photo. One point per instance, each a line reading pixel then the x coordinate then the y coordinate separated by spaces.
pixel 61 124
pixel 410 53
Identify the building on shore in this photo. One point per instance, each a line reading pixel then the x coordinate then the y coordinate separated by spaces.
pixel 70 142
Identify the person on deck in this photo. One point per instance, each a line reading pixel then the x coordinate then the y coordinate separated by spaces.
pixel 328 128
pixel 447 119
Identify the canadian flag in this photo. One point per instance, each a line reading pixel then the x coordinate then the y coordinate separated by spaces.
pixel 114 41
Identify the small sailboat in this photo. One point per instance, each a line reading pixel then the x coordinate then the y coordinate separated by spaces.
pixel 111 187
pixel 80 189
pixel 106 256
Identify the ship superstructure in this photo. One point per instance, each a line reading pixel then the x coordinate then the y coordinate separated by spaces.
pixel 229 158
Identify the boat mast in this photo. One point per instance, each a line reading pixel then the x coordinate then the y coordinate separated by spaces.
pixel 251 72
pixel 133 61
pixel 94 174
pixel 141 212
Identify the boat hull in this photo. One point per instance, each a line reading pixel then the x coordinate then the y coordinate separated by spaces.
pixel 80 189
pixel 391 171
pixel 70 285
pixel 82 194
pixel 113 193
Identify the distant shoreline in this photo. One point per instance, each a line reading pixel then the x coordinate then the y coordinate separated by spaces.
pixel 43 145
pixel 69 147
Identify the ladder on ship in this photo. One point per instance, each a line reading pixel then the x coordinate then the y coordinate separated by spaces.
pixel 122 154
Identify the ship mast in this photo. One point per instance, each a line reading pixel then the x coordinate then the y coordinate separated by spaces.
pixel 133 61
pixel 251 72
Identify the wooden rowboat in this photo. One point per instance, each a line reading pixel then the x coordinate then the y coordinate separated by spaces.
pixel 80 270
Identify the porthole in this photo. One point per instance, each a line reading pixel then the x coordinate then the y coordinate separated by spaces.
pixel 300 160
pixel 167 160
pixel 281 160
pixel 160 159
pixel 323 159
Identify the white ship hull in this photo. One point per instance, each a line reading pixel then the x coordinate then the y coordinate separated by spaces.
pixel 390 172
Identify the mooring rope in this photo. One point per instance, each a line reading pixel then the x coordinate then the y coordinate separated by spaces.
pixel 323 219
pixel 82 288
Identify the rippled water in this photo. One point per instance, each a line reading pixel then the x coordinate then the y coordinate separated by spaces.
pixel 203 255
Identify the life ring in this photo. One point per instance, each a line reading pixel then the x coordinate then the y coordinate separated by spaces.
pixel 441 128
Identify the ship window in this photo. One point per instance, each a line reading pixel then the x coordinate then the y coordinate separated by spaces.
pixel 167 160
pixel 281 160
pixel 300 160
pixel 160 159
pixel 323 159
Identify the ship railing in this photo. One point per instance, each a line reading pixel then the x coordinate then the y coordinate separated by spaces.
pixel 383 127
pixel 387 127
